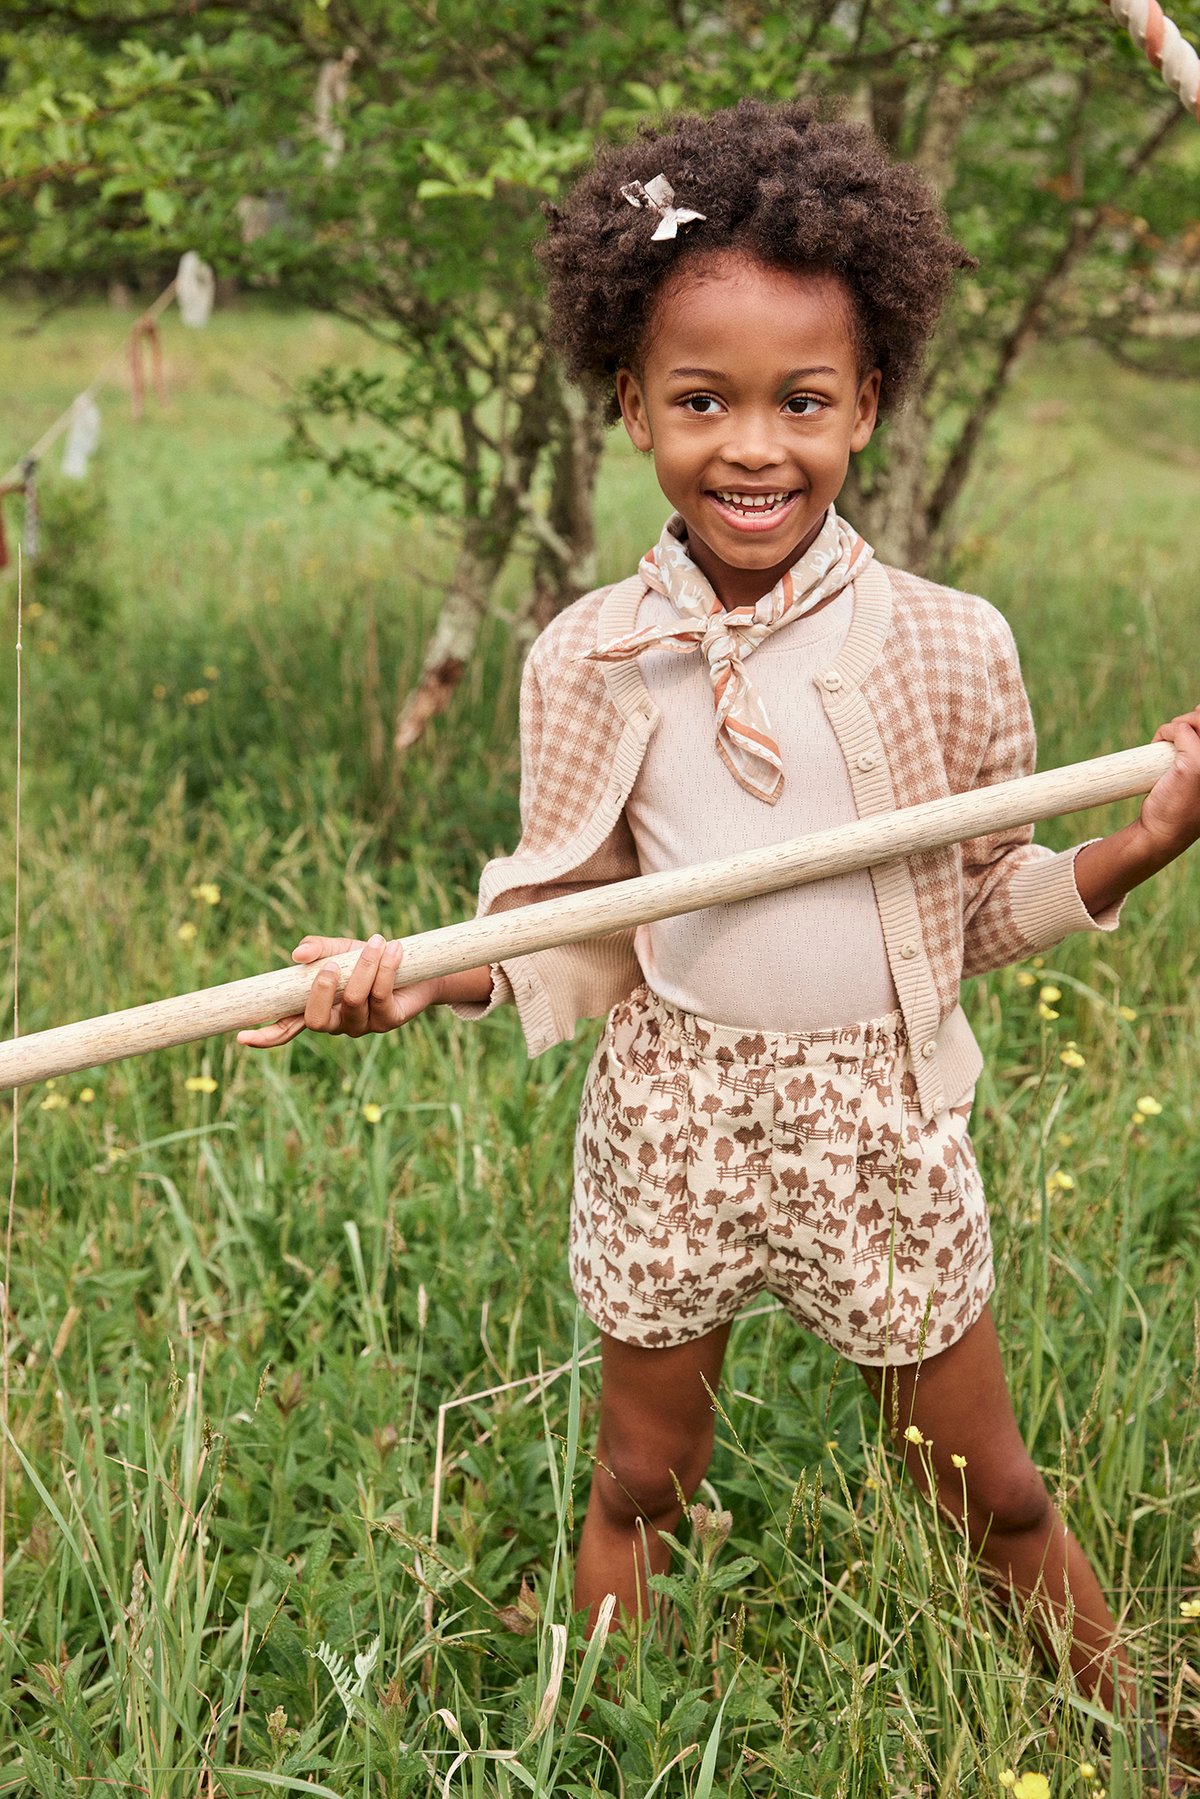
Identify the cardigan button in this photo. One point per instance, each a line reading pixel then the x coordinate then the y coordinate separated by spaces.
pixel 908 951
pixel 866 762
pixel 939 1102
pixel 929 1049
pixel 831 679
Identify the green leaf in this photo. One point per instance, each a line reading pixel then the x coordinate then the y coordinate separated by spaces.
pixel 160 207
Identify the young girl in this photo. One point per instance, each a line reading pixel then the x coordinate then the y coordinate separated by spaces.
pixel 781 1094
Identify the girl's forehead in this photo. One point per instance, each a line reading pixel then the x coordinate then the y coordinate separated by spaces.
pixel 738 312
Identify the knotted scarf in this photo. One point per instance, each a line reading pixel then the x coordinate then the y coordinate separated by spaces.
pixel 744 737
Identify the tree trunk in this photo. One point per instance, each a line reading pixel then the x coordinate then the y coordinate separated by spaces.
pixel 892 514
pixel 565 560
pixel 486 542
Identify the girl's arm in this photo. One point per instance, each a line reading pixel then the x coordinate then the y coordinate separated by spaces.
pixel 1105 871
pixel 370 1001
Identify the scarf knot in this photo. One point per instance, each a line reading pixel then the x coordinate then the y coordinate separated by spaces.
pixel 745 740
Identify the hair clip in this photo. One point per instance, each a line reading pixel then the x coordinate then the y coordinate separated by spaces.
pixel 659 196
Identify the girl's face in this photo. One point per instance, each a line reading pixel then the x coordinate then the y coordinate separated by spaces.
pixel 751 398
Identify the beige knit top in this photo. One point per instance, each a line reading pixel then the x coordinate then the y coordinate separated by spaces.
pixel 795 961
pixel 924 697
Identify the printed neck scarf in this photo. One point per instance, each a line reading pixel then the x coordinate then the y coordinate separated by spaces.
pixel 744 738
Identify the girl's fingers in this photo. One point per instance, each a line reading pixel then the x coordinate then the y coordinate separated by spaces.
pixel 311 949
pixel 322 997
pixel 272 1036
pixel 361 978
pixel 384 984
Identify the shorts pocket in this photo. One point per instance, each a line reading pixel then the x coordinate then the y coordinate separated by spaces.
pixel 635 1124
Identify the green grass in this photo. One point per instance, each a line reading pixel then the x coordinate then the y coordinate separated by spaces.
pixel 235 1314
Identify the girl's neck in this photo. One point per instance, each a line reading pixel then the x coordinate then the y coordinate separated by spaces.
pixel 736 587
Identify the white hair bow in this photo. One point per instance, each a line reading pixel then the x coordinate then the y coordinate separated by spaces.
pixel 659 196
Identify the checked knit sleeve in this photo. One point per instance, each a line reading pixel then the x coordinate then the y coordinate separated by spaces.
pixel 1019 897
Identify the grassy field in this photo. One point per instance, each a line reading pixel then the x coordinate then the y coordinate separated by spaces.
pixel 246 1292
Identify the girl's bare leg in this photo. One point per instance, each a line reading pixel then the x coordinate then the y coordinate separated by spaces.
pixel 656 1428
pixel 959 1401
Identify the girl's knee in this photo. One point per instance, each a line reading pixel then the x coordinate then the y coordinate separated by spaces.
pixel 1009 1499
pixel 643 1478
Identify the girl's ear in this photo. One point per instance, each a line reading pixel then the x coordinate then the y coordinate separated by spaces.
pixel 866 412
pixel 632 402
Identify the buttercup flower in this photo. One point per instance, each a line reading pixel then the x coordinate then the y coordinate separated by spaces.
pixel 960 1461
pixel 1070 1056
pixel 1046 1012
pixel 208 891
pixel 1065 1140
pixel 1050 994
pixel 1087 1770
pixel 1008 1777
pixel 371 1112
pixel 1189 1608
pixel 1148 1106
pixel 1060 1182
pixel 1032 1786
pixel 1025 979
pixel 54 1102
pixel 86 1095
pixel 200 1083
pixel 1127 1013
pixel 196 697
pixel 186 932
pixel 913 1435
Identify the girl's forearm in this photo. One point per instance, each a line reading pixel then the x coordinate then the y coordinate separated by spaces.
pixel 1105 871
pixel 473 987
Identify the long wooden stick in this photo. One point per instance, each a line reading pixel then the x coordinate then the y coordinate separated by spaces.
pixel 599 910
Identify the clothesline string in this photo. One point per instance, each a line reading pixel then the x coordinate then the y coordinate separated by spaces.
pixel 50 436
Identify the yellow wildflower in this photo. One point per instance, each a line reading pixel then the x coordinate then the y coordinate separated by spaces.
pixel 1189 1608
pixel 1038 962
pixel 1050 994
pixel 159 691
pixel 1025 979
pixel 1008 1777
pixel 1046 1012
pixel 1065 1140
pixel 913 1435
pixel 1148 1106
pixel 371 1112
pixel 1070 1057
pixel 86 1095
pixel 186 932
pixel 200 1083
pixel 1087 1770
pixel 211 674
pixel 208 891
pixel 960 1461
pixel 1060 1182
pixel 196 697
pixel 54 1102
pixel 1032 1786
pixel 1128 1013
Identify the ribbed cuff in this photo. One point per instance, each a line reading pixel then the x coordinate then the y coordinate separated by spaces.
pixel 501 995
pixel 1047 905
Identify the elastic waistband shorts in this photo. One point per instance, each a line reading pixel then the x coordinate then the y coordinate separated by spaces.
pixel 713 1163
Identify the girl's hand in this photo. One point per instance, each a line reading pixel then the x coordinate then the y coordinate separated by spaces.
pixel 1171 810
pixel 370 1000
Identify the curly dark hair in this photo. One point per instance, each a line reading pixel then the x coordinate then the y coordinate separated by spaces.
pixel 777 183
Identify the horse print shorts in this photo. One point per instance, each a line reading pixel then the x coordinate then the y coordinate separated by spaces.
pixel 713 1162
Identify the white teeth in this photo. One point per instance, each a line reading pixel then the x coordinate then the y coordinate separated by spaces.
pixel 753 502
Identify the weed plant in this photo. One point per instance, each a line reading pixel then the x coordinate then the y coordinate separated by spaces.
pixel 245 1289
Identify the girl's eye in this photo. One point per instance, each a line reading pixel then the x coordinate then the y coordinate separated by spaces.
pixel 803 406
pixel 700 404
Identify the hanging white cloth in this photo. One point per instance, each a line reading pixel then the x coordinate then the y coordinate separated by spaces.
pixel 195 285
pixel 83 438
pixel 333 90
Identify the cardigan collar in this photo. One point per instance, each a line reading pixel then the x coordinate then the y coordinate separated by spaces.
pixel 868 628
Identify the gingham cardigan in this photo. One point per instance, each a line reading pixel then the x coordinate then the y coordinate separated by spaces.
pixel 925 698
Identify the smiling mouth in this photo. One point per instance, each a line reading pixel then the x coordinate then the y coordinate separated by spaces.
pixel 753 505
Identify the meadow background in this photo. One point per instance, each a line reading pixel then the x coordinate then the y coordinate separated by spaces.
pixel 242 1286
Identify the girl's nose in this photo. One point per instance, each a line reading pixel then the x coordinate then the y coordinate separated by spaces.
pixel 753 442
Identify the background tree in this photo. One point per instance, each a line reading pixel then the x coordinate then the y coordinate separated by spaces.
pixel 386 160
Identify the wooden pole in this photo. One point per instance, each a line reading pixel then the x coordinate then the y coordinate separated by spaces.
pixel 597 911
